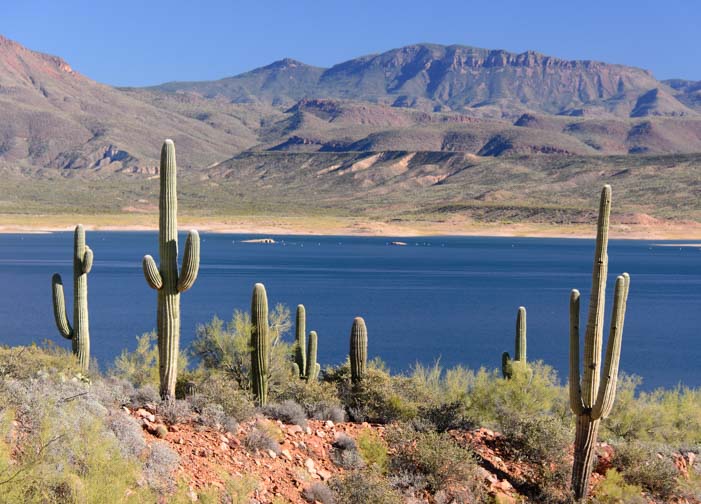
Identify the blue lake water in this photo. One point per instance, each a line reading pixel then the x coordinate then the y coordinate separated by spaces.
pixel 449 298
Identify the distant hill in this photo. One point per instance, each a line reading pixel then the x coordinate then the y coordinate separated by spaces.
pixel 435 78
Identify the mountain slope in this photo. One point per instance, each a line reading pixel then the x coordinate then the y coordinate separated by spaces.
pixel 53 117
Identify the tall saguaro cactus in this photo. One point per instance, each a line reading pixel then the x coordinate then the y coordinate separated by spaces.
pixel 260 344
pixel 313 367
pixel 358 349
pixel 79 333
pixel 300 338
pixel 167 280
pixel 520 345
pixel 590 400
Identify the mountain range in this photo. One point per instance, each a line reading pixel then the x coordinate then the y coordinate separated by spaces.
pixel 415 117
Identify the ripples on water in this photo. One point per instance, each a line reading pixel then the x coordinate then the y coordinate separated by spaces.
pixel 453 298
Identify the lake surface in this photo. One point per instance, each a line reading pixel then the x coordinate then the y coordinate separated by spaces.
pixel 449 298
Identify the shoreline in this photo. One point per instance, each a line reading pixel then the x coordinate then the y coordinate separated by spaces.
pixel 262 226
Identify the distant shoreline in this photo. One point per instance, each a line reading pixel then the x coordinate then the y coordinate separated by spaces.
pixel 262 226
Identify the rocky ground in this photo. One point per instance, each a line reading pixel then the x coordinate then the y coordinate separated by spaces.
pixel 302 456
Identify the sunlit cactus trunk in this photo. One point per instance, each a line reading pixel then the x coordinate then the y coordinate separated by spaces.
pixel 313 367
pixel 260 344
pixel 358 350
pixel 520 345
pixel 167 280
pixel 79 333
pixel 591 400
pixel 300 338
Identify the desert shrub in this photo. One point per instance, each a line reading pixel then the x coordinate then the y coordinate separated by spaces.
pixel 212 415
pixel 174 410
pixel 265 435
pixel 318 398
pixel 531 391
pixel 644 466
pixel 218 388
pixel 25 362
pixel 372 400
pixel 226 347
pixel 146 395
pixel 664 416
pixel 318 492
pixel 68 455
pixel 345 453
pixel 128 432
pixel 373 449
pixel 112 391
pixel 433 458
pixel 288 412
pixel 538 439
pixel 140 367
pixel 159 467
pixel 614 490
pixel 363 486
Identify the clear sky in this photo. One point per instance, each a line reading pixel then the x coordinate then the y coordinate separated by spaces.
pixel 144 42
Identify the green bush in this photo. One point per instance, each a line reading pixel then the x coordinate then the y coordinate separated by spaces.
pixel 645 466
pixel 140 367
pixel 663 416
pixel 614 490
pixel 226 348
pixel 218 388
pixel 364 486
pixel 25 362
pixel 373 450
pixel 434 458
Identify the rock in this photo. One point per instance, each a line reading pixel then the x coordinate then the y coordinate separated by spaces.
pixel 324 474
pixel 294 429
pixel 223 446
pixel 320 433
pixel 286 453
pixel 309 464
pixel 146 415
pixel 308 430
pixel 328 424
pixel 272 454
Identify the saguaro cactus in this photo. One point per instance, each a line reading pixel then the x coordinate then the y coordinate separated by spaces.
pixel 590 400
pixel 520 345
pixel 313 367
pixel 79 333
pixel 300 338
pixel 260 344
pixel 166 280
pixel 358 349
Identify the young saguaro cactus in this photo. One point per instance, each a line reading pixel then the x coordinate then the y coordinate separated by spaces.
pixel 167 280
pixel 260 344
pixel 590 400
pixel 79 333
pixel 300 338
pixel 313 367
pixel 358 349
pixel 520 345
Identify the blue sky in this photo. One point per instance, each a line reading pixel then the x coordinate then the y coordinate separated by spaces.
pixel 152 41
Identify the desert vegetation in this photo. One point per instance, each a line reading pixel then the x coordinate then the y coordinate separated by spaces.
pixel 255 416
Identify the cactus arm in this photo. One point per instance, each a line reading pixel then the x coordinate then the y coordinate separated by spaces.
pixel 87 260
pixel 595 319
pixel 575 390
pixel 506 365
pixel 607 390
pixel 317 370
pixel 191 262
pixel 60 314
pixel 300 338
pixel 151 273
pixel 295 370
pixel 520 352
